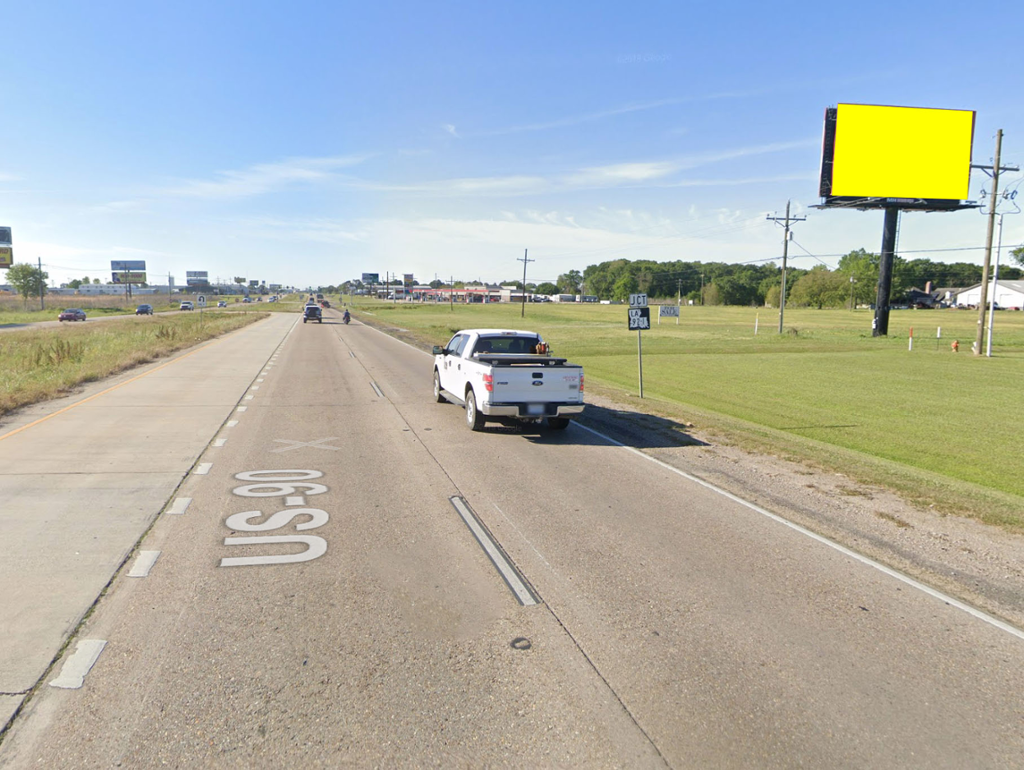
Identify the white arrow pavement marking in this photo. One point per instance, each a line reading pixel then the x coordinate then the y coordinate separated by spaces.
pixel 179 506
pixel 202 469
pixel 318 444
pixel 143 563
pixel 72 673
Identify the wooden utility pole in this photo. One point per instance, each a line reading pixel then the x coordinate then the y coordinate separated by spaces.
pixel 524 260
pixel 992 201
pixel 785 254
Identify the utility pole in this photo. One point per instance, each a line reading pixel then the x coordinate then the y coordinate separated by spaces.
pixel 992 201
pixel 451 295
pixel 785 254
pixel 42 283
pixel 524 260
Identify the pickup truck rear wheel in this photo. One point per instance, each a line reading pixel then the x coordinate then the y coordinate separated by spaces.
pixel 474 419
pixel 437 388
pixel 558 423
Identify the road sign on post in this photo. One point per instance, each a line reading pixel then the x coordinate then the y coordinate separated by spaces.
pixel 201 299
pixel 639 319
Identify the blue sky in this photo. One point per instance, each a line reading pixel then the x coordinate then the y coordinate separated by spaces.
pixel 307 143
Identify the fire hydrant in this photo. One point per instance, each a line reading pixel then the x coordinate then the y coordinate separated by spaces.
pixel 956 346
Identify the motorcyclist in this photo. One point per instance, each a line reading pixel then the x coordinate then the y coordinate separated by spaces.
pixel 346 317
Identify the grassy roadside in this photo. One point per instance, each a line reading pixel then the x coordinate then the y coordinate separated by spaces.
pixel 39 364
pixel 935 426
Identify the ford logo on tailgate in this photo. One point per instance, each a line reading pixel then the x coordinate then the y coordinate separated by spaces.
pixel 535 383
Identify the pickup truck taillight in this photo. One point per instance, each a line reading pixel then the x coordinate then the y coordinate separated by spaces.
pixel 581 383
pixel 489 383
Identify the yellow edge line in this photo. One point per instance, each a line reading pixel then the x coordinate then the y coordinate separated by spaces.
pixel 102 392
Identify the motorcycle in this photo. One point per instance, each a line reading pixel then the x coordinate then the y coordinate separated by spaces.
pixel 346 317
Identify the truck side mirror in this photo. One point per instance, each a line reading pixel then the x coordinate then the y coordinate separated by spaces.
pixel 438 350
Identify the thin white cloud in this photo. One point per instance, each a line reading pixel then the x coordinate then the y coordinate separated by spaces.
pixel 264 177
pixel 449 128
pixel 9 177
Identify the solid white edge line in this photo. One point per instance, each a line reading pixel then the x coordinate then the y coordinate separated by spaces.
pixel 906 579
pixel 143 563
pixel 508 572
pixel 72 673
pixel 202 469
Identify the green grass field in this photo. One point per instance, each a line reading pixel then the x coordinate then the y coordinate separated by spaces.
pixel 37 364
pixel 940 427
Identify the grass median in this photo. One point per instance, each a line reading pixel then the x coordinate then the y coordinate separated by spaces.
pixel 938 426
pixel 39 364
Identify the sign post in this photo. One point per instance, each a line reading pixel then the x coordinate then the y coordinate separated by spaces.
pixel 639 319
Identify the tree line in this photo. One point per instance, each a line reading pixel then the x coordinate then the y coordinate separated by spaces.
pixel 717 283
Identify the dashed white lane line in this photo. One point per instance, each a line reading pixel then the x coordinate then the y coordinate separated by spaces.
pixel 179 506
pixel 202 469
pixel 143 563
pixel 220 442
pixel 72 673
pixel 249 398
pixel 232 423
pixel 508 572
pixel 259 379
pixel 376 389
pixel 255 387
pixel 241 408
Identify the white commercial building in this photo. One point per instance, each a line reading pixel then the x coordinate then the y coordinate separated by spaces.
pixel 1008 295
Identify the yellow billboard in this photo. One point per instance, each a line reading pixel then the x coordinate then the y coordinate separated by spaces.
pixel 902 152
pixel 6 257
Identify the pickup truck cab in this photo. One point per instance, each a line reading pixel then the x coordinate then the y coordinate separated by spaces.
pixel 507 376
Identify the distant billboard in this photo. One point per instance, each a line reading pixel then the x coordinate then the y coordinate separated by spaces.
pixel 5 237
pixel 911 157
pixel 371 278
pixel 197 278
pixel 254 284
pixel 409 280
pixel 128 271
pixel 6 257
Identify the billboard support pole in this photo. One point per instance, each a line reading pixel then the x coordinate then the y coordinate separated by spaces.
pixel 993 201
pixel 880 328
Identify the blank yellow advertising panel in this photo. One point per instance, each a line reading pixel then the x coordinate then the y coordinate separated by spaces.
pixel 902 152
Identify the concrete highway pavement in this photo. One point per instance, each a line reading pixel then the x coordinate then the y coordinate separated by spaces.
pixel 674 625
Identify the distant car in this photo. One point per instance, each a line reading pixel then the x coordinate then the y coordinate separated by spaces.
pixel 325 304
pixel 312 313
pixel 72 314
pixel 144 310
pixel 222 303
pixel 272 299
pixel 186 305
pixel 247 299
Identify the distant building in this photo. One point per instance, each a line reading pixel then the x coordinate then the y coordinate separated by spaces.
pixel 1008 295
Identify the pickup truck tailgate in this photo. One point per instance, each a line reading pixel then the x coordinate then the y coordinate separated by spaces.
pixel 535 384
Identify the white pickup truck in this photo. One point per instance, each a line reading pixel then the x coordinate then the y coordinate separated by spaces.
pixel 507 376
